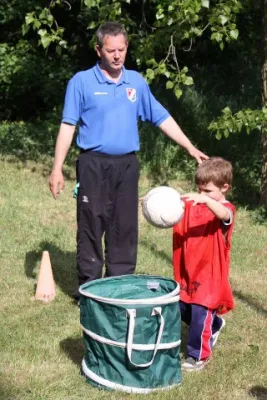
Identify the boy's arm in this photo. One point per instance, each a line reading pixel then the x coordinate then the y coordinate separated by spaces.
pixel 219 210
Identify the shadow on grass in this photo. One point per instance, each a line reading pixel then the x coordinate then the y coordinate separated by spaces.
pixel 259 392
pixel 8 392
pixel 184 332
pixel 63 265
pixel 153 248
pixel 248 299
pixel 74 348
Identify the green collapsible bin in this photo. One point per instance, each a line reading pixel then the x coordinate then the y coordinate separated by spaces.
pixel 132 328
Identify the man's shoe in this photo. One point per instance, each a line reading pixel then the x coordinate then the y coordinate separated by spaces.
pixel 217 334
pixel 191 364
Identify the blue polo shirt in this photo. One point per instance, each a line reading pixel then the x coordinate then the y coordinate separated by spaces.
pixel 108 112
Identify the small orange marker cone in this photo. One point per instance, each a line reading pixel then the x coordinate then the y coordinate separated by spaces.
pixel 45 290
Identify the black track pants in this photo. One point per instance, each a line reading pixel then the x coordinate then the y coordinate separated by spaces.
pixel 107 203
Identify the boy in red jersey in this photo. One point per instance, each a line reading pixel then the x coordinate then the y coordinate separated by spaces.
pixel 201 259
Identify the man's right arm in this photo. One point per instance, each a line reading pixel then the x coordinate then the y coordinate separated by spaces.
pixel 64 140
pixel 151 110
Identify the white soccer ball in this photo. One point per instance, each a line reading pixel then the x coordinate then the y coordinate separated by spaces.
pixel 163 207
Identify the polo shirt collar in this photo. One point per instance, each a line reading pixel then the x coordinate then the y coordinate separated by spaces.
pixel 103 79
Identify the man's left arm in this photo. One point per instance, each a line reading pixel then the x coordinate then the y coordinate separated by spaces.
pixel 170 128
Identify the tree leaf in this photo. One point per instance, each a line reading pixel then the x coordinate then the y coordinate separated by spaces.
pixel 169 84
pixel 223 19
pixel 42 32
pixel 189 81
pixel 59 51
pixel 234 34
pixel 89 3
pixel 45 40
pixel 150 73
pixel 178 93
pixel 205 3
pixel 92 25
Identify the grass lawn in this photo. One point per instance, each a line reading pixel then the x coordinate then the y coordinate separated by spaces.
pixel 42 346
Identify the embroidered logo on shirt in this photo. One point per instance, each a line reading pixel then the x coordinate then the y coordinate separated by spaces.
pixel 131 94
pixel 100 93
pixel 85 199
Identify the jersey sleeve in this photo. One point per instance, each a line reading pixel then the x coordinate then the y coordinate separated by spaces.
pixel 231 210
pixel 73 104
pixel 149 109
pixel 229 226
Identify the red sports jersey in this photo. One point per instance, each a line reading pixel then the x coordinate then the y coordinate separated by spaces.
pixel 201 258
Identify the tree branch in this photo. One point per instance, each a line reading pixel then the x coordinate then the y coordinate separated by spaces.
pixel 172 53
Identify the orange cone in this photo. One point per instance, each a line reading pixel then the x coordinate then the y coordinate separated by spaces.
pixel 45 290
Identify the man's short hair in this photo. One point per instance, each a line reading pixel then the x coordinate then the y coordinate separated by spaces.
pixel 215 170
pixel 110 28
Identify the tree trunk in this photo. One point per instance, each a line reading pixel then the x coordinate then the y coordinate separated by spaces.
pixel 263 199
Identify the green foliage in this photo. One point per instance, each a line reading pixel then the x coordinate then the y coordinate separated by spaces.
pixel 223 22
pixel 229 123
pixel 175 44
pixel 10 61
pixel 259 215
pixel 161 30
pixel 27 140
pixel 31 82
pixel 31 140
pixel 179 26
pixel 163 35
pixel 43 21
pixel 12 11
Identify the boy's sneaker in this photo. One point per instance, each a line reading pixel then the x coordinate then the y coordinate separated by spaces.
pixel 191 364
pixel 217 334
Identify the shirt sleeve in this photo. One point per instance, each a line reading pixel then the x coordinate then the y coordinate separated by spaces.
pixel 231 211
pixel 73 104
pixel 149 109
pixel 230 220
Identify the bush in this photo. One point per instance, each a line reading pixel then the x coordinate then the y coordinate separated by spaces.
pixel 31 140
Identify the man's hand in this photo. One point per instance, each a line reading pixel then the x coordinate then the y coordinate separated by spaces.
pixel 197 154
pixel 172 129
pixel 64 139
pixel 56 183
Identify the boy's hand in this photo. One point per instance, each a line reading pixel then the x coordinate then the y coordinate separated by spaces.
pixel 218 209
pixel 197 198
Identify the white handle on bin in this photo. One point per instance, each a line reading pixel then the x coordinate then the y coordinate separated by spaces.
pixel 132 314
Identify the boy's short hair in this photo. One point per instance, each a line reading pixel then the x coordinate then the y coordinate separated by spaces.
pixel 215 170
pixel 110 28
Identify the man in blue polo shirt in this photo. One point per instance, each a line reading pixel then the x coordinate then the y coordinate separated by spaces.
pixel 107 101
